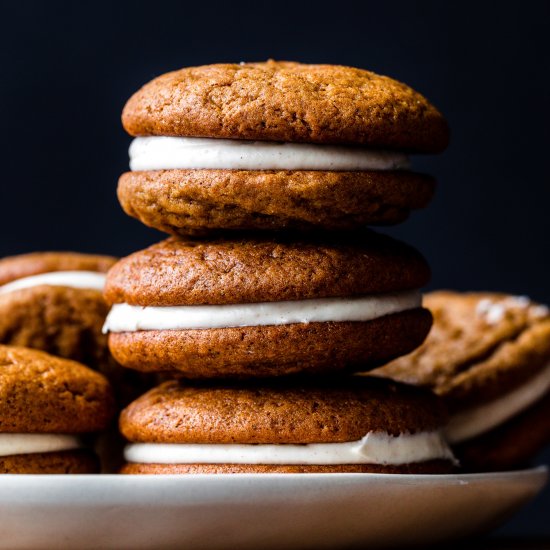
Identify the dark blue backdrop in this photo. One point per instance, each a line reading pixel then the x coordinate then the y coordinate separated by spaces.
pixel 68 67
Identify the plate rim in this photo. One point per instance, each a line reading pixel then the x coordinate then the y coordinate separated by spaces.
pixel 537 472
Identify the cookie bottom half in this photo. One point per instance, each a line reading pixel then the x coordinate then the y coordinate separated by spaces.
pixel 62 462
pixel 274 350
pixel 512 445
pixel 197 202
pixel 428 467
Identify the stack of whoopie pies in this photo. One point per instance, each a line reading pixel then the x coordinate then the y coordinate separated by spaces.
pixel 271 292
pixel 53 302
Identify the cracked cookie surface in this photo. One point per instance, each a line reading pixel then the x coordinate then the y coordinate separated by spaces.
pixel 198 202
pixel 273 350
pixel 319 411
pixel 60 320
pixel 282 412
pixel 178 272
pixel 282 102
pixel 482 345
pixel 248 270
pixel 40 393
pixel 286 101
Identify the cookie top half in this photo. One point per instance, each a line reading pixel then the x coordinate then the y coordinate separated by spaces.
pixel 286 101
pixel 482 346
pixel 40 393
pixel 255 413
pixel 35 263
pixel 185 272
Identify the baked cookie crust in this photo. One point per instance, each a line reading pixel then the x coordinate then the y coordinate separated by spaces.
pixel 201 202
pixel 286 101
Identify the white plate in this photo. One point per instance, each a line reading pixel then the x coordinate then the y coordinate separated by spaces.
pixel 256 511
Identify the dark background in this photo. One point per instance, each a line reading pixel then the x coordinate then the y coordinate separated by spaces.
pixel 68 67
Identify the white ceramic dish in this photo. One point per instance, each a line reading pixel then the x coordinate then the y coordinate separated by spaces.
pixel 256 511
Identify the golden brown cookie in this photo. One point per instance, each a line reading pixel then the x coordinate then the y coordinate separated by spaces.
pixel 488 356
pixel 286 416
pixel 273 350
pixel 47 394
pixel 511 445
pixel 54 316
pixel 197 202
pixel 298 411
pixel 60 320
pixel 63 462
pixel 235 286
pixel 427 467
pixel 233 271
pixel 45 402
pixel 306 107
pixel 285 101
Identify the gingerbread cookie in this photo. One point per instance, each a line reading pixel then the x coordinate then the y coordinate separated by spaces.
pixel 251 308
pixel 488 356
pixel 53 301
pixel 344 425
pixel 276 145
pixel 46 404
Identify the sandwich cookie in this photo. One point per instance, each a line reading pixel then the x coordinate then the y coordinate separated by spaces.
pixel 342 425
pixel 251 308
pixel 53 301
pixel 276 145
pixel 488 356
pixel 46 405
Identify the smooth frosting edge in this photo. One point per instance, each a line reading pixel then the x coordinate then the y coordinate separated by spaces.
pixel 30 443
pixel 167 152
pixel 92 280
pixel 374 448
pixel 128 318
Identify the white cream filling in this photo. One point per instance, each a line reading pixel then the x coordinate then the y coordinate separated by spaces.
pixel 478 420
pixel 127 318
pixel 19 444
pixel 374 448
pixel 74 279
pixel 165 153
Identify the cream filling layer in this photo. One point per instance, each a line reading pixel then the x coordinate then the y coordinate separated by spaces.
pixel 74 279
pixel 19 444
pixel 478 420
pixel 127 318
pixel 165 153
pixel 374 448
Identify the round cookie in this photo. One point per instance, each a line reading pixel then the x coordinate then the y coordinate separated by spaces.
pixel 45 403
pixel 331 149
pixel 198 202
pixel 62 462
pixel 289 102
pixel 488 356
pixel 53 301
pixel 343 425
pixel 510 445
pixel 251 308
